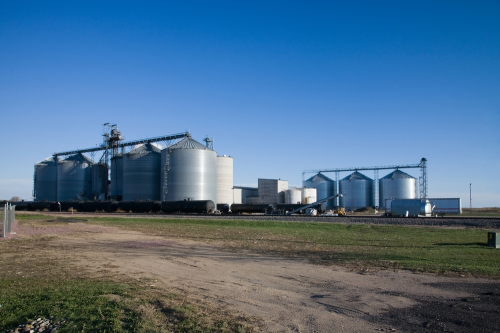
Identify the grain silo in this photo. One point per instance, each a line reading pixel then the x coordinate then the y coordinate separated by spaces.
pixel 188 172
pixel 397 185
pixel 117 177
pixel 225 180
pixel 74 178
pixel 99 181
pixel 309 195
pixel 141 173
pixel 357 191
pixel 293 196
pixel 325 187
pixel 45 180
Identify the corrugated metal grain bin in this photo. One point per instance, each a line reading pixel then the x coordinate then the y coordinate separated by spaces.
pixel 188 172
pixel 397 185
pixel 74 178
pixel 324 186
pixel 117 178
pixel 46 179
pixel 99 181
pixel 141 173
pixel 357 191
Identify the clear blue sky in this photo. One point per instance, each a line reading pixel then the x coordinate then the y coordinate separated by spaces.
pixel 282 86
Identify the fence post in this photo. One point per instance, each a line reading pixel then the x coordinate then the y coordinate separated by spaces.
pixel 9 216
pixel 4 219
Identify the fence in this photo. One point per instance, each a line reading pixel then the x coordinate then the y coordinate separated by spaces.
pixel 9 216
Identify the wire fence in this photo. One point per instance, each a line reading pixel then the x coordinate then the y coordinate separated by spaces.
pixel 9 214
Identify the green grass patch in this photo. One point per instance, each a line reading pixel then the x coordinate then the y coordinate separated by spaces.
pixel 85 305
pixel 440 250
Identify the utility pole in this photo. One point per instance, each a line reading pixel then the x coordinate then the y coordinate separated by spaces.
pixel 470 196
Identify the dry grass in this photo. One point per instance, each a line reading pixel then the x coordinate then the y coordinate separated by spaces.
pixel 486 212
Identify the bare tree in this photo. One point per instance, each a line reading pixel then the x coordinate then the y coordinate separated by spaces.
pixel 15 198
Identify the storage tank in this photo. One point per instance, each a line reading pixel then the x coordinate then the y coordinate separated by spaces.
pixel 100 181
pixel 411 207
pixel 309 195
pixel 325 188
pixel 46 179
pixel 188 172
pixel 293 196
pixel 141 173
pixel 357 191
pixel 74 178
pixel 224 180
pixel 397 185
pixel 117 177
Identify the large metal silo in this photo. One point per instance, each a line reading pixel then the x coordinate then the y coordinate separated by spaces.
pixel 117 178
pixel 46 179
pixel 99 181
pixel 357 191
pixel 325 187
pixel 188 172
pixel 141 173
pixel 225 180
pixel 397 185
pixel 74 178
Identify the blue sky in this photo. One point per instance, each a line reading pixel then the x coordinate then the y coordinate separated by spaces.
pixel 282 86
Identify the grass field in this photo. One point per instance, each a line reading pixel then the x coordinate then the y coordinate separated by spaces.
pixel 33 286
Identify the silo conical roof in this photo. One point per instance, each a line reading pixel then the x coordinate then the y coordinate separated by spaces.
pixel 397 174
pixel 319 178
pixel 79 158
pixel 356 176
pixel 188 143
pixel 144 149
pixel 50 160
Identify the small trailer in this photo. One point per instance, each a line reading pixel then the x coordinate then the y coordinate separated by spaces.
pixel 443 206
